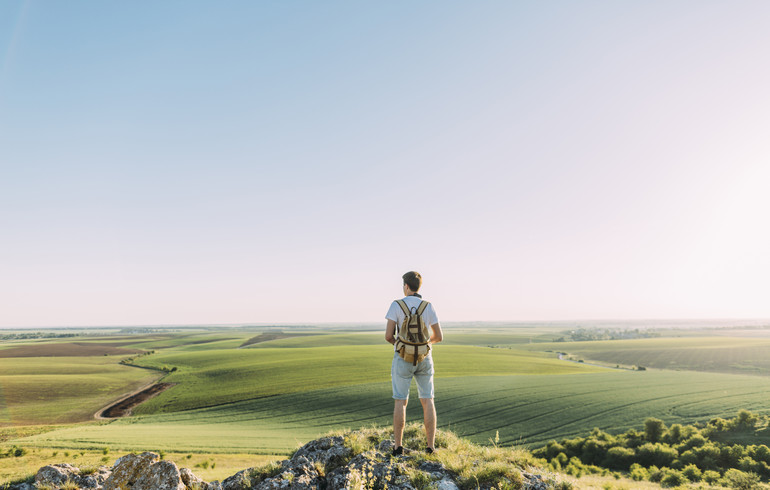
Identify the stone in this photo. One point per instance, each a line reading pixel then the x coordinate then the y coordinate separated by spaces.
pixel 95 479
pixel 23 486
pixel 239 481
pixel 56 475
pixel 163 475
pixel 297 473
pixel 446 484
pixel 195 483
pixel 328 451
pixel 128 469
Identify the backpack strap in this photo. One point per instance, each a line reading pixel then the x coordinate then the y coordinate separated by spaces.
pixel 405 309
pixel 403 306
pixel 422 307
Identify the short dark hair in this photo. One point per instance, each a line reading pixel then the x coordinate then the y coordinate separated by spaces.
pixel 413 279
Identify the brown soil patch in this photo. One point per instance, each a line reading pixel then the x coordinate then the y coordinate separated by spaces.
pixel 69 349
pixel 123 407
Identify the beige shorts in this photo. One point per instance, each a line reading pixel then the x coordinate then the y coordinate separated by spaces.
pixel 402 372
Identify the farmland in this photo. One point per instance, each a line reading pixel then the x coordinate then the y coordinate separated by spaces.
pixel 712 353
pixel 259 391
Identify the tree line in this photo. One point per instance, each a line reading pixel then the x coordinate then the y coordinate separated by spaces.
pixel 671 456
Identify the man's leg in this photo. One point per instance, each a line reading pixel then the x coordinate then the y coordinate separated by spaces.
pixel 399 419
pixel 429 415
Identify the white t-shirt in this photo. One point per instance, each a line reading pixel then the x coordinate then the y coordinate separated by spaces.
pixel 396 314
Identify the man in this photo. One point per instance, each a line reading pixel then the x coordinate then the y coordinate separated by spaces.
pixel 402 372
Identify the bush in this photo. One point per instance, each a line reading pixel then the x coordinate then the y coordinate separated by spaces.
pixel 638 473
pixel 711 477
pixel 738 479
pixel 619 458
pixel 672 478
pixel 655 474
pixel 653 429
pixel 656 454
pixel 692 472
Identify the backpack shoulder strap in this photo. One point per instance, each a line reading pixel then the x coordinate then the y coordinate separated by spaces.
pixel 403 306
pixel 422 307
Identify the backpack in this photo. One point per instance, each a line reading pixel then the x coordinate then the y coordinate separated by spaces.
pixel 413 337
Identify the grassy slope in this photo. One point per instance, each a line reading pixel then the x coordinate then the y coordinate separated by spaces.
pixel 715 354
pixel 213 377
pixel 526 409
pixel 62 389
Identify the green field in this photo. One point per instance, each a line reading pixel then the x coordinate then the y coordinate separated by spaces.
pixel 525 409
pixel 53 390
pixel 739 355
pixel 213 377
pixel 268 397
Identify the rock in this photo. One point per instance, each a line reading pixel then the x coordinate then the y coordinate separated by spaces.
pixel 194 482
pixel 23 486
pixel 127 470
pixel 163 475
pixel 144 472
pixel 56 475
pixel 366 469
pixel 95 479
pixel 297 473
pixel 447 484
pixel 239 481
pixel 328 451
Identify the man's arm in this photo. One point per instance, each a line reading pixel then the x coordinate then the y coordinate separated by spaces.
pixel 436 335
pixel 390 331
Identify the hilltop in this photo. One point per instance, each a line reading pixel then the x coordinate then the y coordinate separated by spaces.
pixel 351 459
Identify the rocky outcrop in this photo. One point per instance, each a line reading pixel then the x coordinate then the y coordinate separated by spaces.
pixel 323 464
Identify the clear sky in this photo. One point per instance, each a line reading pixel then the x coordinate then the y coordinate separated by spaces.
pixel 264 161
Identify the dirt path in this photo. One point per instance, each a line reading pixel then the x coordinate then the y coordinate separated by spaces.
pixel 123 407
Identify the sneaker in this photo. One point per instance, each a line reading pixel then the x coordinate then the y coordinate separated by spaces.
pixel 398 451
pixel 429 450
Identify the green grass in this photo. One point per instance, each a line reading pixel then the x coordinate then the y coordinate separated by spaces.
pixel 525 409
pixel 738 355
pixel 213 377
pixel 52 390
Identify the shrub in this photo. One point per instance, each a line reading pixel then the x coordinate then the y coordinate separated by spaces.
pixel 653 429
pixel 672 478
pixel 692 472
pixel 711 477
pixel 760 453
pixel 738 479
pixel 638 473
pixel 656 454
pixel 655 474
pixel 619 458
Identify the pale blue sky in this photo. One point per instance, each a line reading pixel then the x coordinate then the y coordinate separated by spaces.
pixel 201 162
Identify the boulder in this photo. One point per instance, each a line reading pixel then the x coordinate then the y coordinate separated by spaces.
pixel 127 470
pixel 163 475
pixel 144 472
pixel 56 475
pixel 329 451
pixel 194 482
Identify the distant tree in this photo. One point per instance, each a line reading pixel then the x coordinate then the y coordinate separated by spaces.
pixel 672 478
pixel 619 458
pixel 653 429
pixel 746 420
pixel 692 473
pixel 656 454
